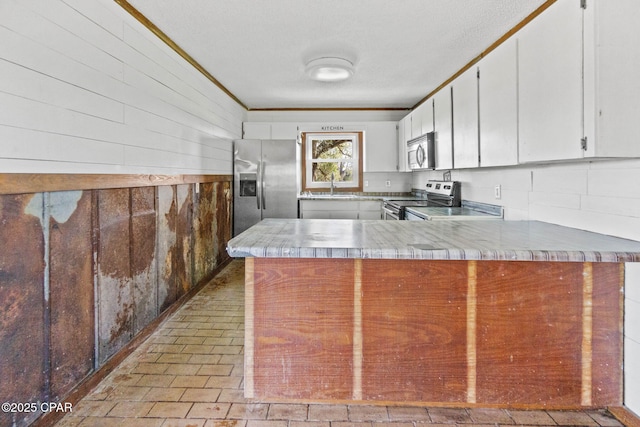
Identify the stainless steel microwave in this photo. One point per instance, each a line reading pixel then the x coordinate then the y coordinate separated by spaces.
pixel 421 152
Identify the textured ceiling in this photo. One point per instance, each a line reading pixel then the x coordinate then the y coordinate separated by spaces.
pixel 402 49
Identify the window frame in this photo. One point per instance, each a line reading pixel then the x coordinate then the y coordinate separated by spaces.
pixel 307 161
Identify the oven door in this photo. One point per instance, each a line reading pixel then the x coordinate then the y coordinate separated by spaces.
pixel 390 213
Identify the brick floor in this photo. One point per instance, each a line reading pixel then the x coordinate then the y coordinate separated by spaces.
pixel 190 373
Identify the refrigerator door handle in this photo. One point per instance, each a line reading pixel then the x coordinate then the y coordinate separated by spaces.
pixel 259 184
pixel 264 202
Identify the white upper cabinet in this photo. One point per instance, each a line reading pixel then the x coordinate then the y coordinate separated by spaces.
pixel 266 130
pixel 407 128
pixel 465 120
pixel 284 130
pixel 426 116
pixel 443 128
pixel 402 147
pixel 612 88
pixel 416 122
pixel 256 130
pixel 498 100
pixel 380 147
pixel 550 84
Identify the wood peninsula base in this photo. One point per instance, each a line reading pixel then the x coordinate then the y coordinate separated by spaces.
pixel 493 333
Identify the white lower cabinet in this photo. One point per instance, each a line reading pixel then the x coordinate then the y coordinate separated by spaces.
pixel 340 209
pixel 370 209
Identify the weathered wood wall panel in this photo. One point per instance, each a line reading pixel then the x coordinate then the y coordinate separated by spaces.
pixel 127 253
pixel 23 355
pixel 143 256
pixel 115 284
pixel 305 344
pixel 529 333
pixel 71 289
pixel 414 320
pixel 166 242
pixel 183 257
pixel 608 304
pixel 204 254
pixel 504 333
pixel 222 196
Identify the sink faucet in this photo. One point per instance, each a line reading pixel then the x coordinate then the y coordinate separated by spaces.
pixel 332 178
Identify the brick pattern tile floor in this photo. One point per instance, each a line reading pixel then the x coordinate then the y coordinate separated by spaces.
pixel 190 373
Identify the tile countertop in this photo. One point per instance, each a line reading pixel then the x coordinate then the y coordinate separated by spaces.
pixel 456 240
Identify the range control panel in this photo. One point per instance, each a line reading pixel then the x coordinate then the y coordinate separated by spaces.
pixel 444 188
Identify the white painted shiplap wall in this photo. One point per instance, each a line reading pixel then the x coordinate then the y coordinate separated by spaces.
pixel 599 196
pixel 85 88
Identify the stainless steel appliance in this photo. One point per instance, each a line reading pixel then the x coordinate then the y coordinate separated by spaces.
pixel 395 209
pixel 265 181
pixel 421 152
pixel 467 211
pixel 439 193
pixel 444 193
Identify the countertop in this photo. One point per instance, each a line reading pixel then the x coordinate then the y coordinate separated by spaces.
pixel 357 197
pixel 444 240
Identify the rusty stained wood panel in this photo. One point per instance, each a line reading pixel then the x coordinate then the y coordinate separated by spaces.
pixel 223 224
pixel 303 345
pixel 71 289
pixel 115 287
pixel 204 231
pixel 211 228
pixel 183 252
pixel 22 346
pixel 143 260
pixel 166 241
pixel 529 333
pixel 607 340
pixel 414 317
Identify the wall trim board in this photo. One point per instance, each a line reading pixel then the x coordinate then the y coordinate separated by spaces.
pixel 21 183
pixel 91 381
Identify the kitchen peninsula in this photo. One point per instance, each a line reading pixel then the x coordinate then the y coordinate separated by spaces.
pixel 507 313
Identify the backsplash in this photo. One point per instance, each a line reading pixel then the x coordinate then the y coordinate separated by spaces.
pixel 595 196
pixel 376 182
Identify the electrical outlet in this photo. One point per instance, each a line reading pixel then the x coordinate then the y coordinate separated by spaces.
pixel 388 183
pixel 366 183
pixel 497 191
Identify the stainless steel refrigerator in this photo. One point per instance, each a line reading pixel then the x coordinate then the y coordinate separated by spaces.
pixel 265 181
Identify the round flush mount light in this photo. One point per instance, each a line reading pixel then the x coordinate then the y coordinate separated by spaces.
pixel 329 69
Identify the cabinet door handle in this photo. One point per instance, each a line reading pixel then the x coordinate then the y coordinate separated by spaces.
pixel 264 202
pixel 259 189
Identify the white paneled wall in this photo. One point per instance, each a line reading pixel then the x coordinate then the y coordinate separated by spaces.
pixel 85 88
pixel 599 196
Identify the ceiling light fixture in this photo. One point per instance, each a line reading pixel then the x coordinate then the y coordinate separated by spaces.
pixel 329 69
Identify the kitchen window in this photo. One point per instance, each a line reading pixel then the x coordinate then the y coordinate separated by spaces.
pixel 330 156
